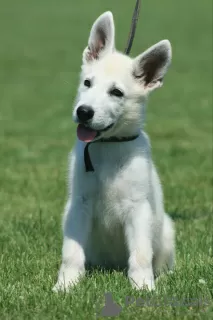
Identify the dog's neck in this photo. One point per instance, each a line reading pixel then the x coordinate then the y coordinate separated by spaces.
pixel 121 131
pixel 87 160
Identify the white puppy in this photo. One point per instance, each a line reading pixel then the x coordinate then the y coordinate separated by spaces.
pixel 115 216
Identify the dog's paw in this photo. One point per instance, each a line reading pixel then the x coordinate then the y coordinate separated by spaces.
pixel 146 284
pixel 60 287
pixel 67 279
pixel 142 282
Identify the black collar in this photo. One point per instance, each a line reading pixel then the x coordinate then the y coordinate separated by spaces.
pixel 87 160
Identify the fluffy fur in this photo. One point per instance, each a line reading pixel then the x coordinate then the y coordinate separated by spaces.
pixel 115 216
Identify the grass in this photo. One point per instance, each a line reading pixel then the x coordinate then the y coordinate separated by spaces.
pixel 40 57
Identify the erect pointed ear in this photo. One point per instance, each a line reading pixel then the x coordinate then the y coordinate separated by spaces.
pixel 101 39
pixel 151 66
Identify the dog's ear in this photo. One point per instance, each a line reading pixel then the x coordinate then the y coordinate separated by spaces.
pixel 101 39
pixel 150 67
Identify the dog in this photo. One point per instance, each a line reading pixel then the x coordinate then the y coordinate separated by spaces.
pixel 114 217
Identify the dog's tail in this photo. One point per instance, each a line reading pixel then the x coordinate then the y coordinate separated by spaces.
pixel 133 27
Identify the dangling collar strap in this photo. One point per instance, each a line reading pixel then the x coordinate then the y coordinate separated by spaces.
pixel 87 161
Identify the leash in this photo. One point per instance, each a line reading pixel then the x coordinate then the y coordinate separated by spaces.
pixel 87 161
pixel 133 26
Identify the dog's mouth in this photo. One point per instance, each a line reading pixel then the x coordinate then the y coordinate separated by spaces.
pixel 87 134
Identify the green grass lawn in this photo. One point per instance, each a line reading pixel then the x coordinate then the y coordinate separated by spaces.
pixel 40 57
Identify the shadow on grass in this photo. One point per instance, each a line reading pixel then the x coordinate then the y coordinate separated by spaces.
pixel 177 215
pixel 104 269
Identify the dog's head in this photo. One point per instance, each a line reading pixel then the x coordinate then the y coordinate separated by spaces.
pixel 113 86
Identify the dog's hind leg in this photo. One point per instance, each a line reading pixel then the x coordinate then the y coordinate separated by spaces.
pixel 164 257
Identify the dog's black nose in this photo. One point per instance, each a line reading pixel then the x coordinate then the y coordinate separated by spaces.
pixel 85 113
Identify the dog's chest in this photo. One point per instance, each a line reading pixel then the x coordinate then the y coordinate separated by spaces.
pixel 106 245
pixel 117 191
pixel 117 183
pixel 109 195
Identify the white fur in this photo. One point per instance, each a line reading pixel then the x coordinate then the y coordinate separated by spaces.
pixel 115 215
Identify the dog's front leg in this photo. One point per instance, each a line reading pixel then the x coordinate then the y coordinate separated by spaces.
pixel 139 242
pixel 77 221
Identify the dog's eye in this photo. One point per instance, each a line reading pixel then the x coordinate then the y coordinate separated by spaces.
pixel 116 92
pixel 87 83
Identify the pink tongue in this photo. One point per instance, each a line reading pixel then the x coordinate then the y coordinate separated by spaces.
pixel 85 134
